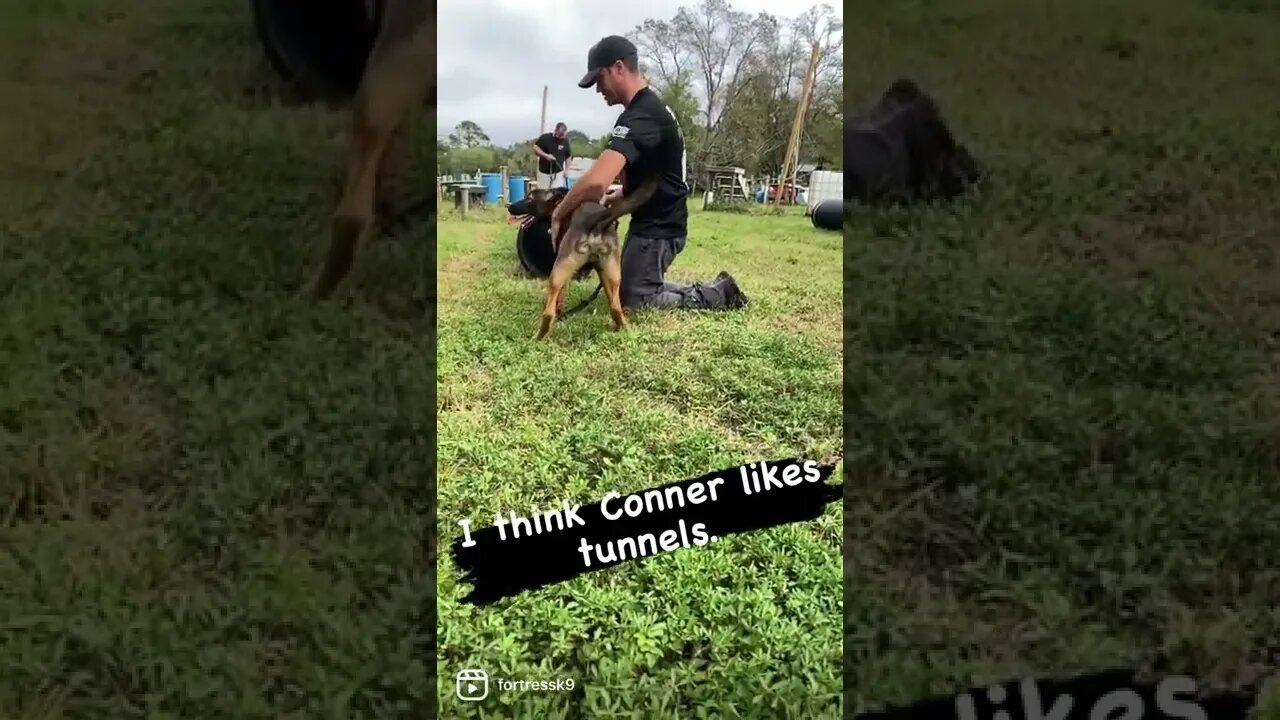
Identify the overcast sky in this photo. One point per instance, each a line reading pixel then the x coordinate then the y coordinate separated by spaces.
pixel 496 55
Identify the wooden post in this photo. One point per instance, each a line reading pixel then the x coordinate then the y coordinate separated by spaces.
pixel 542 126
pixel 466 200
pixel 504 189
pixel 791 160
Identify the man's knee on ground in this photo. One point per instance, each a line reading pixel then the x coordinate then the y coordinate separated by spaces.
pixel 631 298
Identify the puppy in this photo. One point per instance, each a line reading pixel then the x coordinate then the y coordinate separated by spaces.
pixel 588 239
pixel 539 204
pixel 399 76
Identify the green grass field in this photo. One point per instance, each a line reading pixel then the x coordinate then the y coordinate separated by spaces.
pixel 1061 410
pixel 745 627
pixel 213 498
pixel 1061 398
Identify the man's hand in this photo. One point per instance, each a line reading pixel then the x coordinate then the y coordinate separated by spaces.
pixel 611 196
pixel 557 219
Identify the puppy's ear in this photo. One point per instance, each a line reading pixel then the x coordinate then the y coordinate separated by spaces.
pixel 554 198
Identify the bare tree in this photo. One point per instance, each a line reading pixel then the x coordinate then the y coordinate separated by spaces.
pixel 745 73
pixel 663 51
pixel 820 25
pixel 712 42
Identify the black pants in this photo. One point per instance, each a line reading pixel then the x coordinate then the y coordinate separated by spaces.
pixel 644 268
pixel 876 165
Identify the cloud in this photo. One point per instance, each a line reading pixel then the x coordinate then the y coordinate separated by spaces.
pixel 495 56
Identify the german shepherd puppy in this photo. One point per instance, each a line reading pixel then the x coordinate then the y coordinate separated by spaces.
pixel 399 76
pixel 590 237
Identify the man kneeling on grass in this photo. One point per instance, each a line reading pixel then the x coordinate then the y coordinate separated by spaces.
pixel 645 141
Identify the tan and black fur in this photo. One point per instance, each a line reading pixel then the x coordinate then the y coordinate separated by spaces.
pixel 590 237
pixel 400 75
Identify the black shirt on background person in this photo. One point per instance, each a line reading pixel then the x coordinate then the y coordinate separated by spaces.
pixel 556 144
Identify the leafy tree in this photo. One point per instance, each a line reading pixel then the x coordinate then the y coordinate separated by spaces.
pixel 467 135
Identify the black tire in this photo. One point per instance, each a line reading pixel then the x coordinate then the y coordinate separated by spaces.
pixel 531 262
pixel 318 48
pixel 533 250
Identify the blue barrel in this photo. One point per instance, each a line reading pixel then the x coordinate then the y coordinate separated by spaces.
pixel 516 188
pixel 760 195
pixel 569 181
pixel 492 183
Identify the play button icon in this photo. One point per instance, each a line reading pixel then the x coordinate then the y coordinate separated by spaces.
pixel 472 685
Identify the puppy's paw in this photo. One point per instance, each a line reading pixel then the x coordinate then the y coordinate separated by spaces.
pixel 544 327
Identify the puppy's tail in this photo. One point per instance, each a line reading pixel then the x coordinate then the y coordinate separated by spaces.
pixel 342 254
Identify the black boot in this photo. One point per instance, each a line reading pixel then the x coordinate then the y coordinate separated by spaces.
pixel 728 288
pixel 961 173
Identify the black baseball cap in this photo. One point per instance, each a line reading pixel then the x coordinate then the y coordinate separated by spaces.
pixel 603 54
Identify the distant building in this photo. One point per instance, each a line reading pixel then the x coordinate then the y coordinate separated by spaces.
pixel 804 170
pixel 578 167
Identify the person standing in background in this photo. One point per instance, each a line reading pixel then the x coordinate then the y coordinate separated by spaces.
pixel 553 153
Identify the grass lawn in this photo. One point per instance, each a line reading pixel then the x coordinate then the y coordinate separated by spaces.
pixel 1062 398
pixel 1061 410
pixel 744 627
pixel 213 498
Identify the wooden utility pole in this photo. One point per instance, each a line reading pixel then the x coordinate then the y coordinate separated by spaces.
pixel 542 126
pixel 791 159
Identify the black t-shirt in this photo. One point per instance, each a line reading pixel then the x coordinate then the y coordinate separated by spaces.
pixel 649 137
pixel 559 147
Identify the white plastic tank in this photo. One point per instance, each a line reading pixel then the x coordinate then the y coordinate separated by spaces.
pixel 824 185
